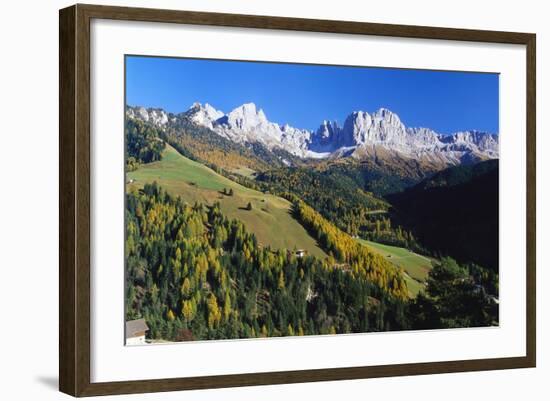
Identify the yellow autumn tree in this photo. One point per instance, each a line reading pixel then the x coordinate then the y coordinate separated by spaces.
pixel 188 310
pixel 264 331
pixel 290 330
pixel 227 307
pixel 214 313
pixel 281 282
pixel 186 287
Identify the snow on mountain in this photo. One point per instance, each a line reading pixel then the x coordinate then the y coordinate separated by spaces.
pixel 384 130
pixel 155 116
pixel 203 115
pixel 248 124
pixel 361 135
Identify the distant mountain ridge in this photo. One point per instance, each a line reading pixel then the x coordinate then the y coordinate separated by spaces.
pixel 363 135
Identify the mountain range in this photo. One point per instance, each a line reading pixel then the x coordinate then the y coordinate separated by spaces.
pixel 377 135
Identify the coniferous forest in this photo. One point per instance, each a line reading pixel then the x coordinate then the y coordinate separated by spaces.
pixel 192 273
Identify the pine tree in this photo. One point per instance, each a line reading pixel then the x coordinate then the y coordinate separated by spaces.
pixel 227 307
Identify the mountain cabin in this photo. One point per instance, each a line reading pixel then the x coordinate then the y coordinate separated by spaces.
pixel 135 332
pixel 300 253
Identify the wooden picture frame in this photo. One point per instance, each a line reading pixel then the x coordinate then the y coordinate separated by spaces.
pixel 75 207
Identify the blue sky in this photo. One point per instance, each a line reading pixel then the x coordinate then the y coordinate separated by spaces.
pixel 305 95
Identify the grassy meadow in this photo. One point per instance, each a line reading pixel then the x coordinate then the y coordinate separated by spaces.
pixel 270 219
pixel 416 266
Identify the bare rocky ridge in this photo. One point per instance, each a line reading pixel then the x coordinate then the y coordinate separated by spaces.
pixel 363 135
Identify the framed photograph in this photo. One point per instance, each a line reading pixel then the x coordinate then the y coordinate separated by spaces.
pixel 249 200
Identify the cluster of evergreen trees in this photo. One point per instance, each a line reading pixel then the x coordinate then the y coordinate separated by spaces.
pixel 194 274
pixel 143 144
pixel 456 296
pixel 380 229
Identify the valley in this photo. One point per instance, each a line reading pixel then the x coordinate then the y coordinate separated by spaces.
pixel 456 212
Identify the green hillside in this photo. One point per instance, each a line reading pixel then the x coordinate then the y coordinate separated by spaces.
pixel 269 219
pixel 416 266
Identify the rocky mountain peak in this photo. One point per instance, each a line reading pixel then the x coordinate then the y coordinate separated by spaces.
pixel 203 115
pixel 154 116
pixel 246 116
pixel 327 129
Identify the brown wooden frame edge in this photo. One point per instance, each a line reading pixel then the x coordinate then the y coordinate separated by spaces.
pixel 74 199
